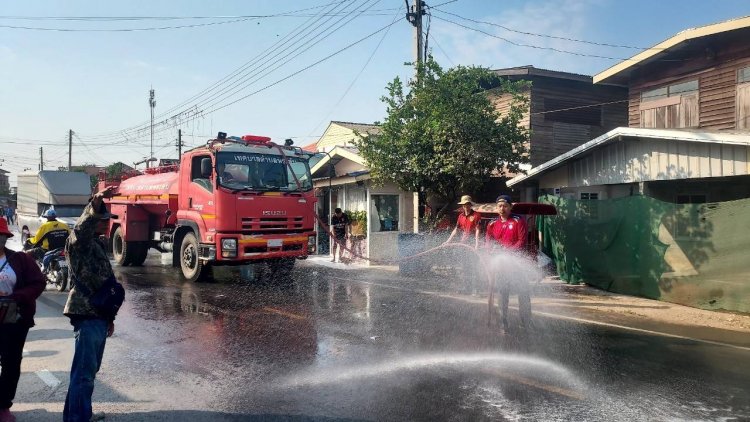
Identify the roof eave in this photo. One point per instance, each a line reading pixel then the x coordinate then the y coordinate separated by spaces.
pixel 611 73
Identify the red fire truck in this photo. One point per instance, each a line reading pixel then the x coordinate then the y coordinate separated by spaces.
pixel 233 201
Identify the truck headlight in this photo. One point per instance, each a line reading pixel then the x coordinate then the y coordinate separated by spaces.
pixel 228 248
pixel 311 244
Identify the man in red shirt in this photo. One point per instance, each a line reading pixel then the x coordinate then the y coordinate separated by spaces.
pixel 468 226
pixel 508 232
pixel 468 223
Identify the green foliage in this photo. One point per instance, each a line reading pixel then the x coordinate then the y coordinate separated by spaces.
pixel 445 136
pixel 357 217
pixel 115 170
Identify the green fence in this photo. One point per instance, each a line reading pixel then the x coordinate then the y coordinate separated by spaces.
pixel 692 254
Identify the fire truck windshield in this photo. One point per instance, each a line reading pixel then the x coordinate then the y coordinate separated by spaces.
pixel 263 172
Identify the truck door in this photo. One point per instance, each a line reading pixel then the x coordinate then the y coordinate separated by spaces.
pixel 200 196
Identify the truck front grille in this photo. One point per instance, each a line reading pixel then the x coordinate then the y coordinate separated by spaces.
pixel 259 225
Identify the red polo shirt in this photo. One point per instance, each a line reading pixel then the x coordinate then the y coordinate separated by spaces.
pixel 468 225
pixel 510 234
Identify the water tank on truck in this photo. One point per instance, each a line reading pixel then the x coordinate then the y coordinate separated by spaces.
pixel 146 204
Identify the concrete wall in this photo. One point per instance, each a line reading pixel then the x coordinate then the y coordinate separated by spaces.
pixel 383 246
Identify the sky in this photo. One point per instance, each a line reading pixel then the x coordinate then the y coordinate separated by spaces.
pixel 266 67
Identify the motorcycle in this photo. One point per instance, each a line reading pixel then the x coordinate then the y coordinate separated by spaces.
pixel 56 271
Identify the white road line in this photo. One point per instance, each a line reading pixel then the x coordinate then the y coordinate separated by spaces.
pixel 25 353
pixel 48 378
pixel 642 330
pixel 557 316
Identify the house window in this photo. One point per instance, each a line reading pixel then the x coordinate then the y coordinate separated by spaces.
pixel 743 98
pixel 590 206
pixel 572 112
pixel 384 213
pixel 673 106
pixel 743 75
pixel 589 195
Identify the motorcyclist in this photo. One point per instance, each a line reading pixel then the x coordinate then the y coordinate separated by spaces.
pixel 50 236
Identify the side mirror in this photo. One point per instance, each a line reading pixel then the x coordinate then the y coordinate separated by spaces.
pixel 206 168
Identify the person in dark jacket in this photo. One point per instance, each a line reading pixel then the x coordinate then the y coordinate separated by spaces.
pixel 89 266
pixel 22 282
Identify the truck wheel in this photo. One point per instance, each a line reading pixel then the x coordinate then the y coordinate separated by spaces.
pixel 193 269
pixel 120 249
pixel 139 253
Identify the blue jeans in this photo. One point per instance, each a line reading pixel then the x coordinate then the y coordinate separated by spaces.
pixel 90 336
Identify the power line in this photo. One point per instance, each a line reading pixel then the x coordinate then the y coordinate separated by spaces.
pixel 579 107
pixel 518 44
pixel 303 48
pixel 139 18
pixel 535 34
pixel 299 32
pixel 215 98
pixel 236 19
pixel 441 49
pixel 367 62
pixel 354 43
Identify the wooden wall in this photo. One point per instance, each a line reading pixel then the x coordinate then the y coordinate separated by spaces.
pixel 717 84
pixel 550 137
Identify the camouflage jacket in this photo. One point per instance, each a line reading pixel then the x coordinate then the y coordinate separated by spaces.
pixel 88 263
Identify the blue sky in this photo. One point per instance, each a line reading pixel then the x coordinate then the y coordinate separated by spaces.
pixel 97 83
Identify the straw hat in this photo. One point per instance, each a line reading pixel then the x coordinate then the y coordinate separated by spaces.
pixel 4 228
pixel 466 199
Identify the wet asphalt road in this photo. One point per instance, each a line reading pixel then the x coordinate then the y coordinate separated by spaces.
pixel 363 345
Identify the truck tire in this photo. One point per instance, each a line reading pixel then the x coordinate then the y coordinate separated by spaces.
pixel 139 253
pixel 120 248
pixel 193 269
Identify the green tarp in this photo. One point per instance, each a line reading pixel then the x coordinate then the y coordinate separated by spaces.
pixel 692 254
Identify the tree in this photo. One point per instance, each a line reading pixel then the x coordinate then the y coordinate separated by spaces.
pixel 444 136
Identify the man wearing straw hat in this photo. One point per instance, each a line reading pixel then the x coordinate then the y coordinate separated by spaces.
pixel 468 225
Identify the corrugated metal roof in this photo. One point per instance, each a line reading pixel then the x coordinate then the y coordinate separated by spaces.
pixel 714 137
pixel 547 73
pixel 359 127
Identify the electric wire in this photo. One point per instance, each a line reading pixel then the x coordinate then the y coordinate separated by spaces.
pixel 345 48
pixel 240 74
pixel 356 77
pixel 536 34
pixel 215 100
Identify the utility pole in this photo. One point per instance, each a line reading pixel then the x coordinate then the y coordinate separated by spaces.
pixel 152 104
pixel 70 149
pixel 41 158
pixel 179 144
pixel 414 16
